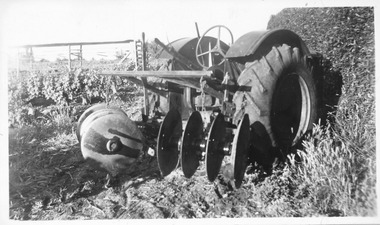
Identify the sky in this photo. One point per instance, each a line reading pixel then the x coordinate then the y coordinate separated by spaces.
pixel 42 21
pixel 39 21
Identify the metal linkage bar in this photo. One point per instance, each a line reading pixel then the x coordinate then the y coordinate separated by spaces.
pixel 148 86
pixel 185 78
pixel 162 74
pixel 188 63
pixel 75 43
pixel 140 53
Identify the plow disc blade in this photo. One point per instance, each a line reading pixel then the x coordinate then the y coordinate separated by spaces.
pixel 167 142
pixel 191 151
pixel 214 147
pixel 240 147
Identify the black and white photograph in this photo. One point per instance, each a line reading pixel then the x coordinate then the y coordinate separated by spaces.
pixel 227 112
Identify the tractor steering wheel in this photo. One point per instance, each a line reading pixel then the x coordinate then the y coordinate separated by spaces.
pixel 199 53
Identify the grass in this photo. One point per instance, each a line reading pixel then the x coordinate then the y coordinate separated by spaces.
pixel 326 178
pixel 342 181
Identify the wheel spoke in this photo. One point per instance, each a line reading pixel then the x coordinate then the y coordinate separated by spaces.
pixel 205 53
pixel 221 62
pixel 218 41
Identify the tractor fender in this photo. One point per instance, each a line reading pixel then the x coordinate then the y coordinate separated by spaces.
pixel 253 45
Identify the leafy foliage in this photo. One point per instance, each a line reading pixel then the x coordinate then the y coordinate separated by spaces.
pixel 63 88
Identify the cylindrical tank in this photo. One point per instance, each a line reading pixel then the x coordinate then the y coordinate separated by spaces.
pixel 110 140
pixel 186 47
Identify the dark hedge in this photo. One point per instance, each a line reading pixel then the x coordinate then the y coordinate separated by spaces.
pixel 345 38
pixel 343 35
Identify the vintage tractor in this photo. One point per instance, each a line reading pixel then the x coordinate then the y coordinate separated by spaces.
pixel 251 101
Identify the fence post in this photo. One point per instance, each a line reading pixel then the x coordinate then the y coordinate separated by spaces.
pixel 18 63
pixel 69 58
pixel 80 55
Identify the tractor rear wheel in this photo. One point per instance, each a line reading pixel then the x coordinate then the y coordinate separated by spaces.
pixel 282 101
